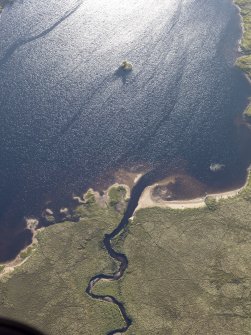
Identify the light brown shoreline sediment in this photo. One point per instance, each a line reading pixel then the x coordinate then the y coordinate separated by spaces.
pixel 31 224
pixel 147 200
pixel 9 267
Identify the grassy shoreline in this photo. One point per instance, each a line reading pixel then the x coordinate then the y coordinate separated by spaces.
pixel 244 62
pixel 148 200
pixel 189 270
pixel 47 289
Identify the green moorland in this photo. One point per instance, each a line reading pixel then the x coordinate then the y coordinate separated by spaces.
pixel 48 290
pixel 189 270
pixel 116 194
pixel 244 62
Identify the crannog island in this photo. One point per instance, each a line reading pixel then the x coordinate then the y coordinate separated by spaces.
pixel 189 270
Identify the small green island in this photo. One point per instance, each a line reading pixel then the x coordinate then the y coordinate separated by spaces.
pixel 188 269
pixel 126 66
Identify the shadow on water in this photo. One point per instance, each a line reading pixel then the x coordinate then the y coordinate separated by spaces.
pixel 23 41
pixel 180 101
pixel 122 74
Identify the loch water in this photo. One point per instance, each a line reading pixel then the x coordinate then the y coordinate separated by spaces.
pixel 69 116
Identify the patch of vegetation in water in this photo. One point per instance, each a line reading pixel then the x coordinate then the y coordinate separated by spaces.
pixel 50 218
pixel 189 272
pixel 127 66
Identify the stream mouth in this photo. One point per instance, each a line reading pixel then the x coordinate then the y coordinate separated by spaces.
pixel 132 204
pixel 136 192
pixel 68 117
pixel 147 179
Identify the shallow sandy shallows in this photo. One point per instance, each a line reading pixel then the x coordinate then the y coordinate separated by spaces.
pixel 147 199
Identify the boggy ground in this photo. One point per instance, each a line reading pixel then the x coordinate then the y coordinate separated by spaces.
pixel 189 270
pixel 48 290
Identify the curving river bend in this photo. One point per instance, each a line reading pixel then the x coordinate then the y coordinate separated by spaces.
pixel 69 117
pixel 137 190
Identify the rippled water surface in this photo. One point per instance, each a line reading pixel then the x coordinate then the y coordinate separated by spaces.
pixel 69 116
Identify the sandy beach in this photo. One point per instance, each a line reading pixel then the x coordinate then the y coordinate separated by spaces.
pixel 147 200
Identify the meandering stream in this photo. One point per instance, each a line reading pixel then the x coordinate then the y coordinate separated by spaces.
pixel 137 190
pixel 68 116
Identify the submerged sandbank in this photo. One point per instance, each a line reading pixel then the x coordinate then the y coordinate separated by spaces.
pixel 148 200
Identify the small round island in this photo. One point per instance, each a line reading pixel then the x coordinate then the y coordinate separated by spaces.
pixel 126 66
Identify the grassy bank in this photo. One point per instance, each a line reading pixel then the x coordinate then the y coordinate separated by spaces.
pixel 189 270
pixel 48 290
pixel 244 62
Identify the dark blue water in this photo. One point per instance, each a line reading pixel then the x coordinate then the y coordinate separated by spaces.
pixel 69 117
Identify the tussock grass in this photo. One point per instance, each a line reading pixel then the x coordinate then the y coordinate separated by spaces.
pixel 189 270
pixel 48 291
